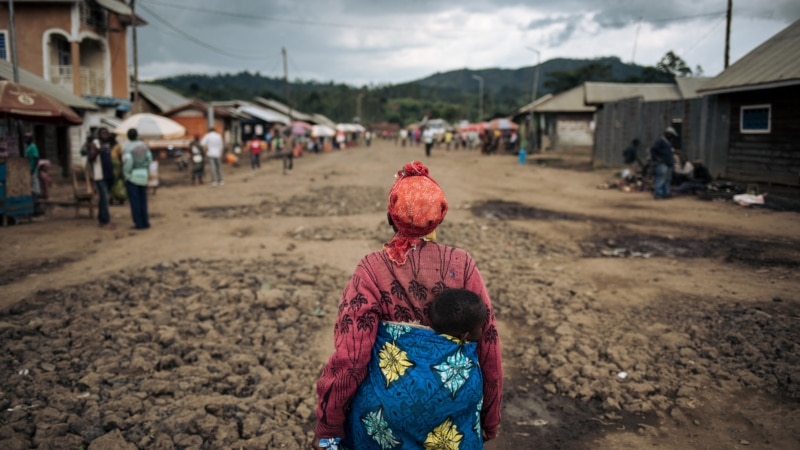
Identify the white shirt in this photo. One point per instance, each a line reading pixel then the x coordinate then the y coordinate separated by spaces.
pixel 428 135
pixel 212 141
pixel 97 165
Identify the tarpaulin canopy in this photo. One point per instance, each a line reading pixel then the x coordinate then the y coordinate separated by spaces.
pixel 25 103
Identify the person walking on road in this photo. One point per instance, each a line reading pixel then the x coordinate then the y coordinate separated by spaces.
pixel 398 284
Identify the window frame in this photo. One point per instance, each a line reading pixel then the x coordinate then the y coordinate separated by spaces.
pixel 744 108
pixel 5 48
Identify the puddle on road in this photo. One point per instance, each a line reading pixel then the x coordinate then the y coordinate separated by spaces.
pixel 503 210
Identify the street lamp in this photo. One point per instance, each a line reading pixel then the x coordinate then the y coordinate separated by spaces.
pixel 480 96
pixel 533 139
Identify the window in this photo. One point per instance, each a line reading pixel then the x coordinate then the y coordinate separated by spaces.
pixel 3 46
pixel 92 14
pixel 756 119
pixel 63 52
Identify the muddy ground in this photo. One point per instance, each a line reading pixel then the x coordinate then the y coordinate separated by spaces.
pixel 625 322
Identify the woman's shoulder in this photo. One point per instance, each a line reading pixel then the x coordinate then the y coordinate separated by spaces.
pixel 451 252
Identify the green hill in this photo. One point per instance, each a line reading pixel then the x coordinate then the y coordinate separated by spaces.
pixel 451 95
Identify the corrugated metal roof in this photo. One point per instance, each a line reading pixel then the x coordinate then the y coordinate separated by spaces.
pixel 163 98
pixel 527 108
pixel 267 115
pixel 115 6
pixel 567 101
pixel 596 93
pixel 28 79
pixel 323 120
pixel 688 87
pixel 772 64
pixel 283 109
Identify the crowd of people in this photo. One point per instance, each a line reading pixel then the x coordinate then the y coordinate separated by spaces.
pixel 486 140
pixel 121 173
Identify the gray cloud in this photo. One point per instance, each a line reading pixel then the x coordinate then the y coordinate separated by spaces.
pixel 356 40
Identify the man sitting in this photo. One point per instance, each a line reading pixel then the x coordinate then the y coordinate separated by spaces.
pixel 698 181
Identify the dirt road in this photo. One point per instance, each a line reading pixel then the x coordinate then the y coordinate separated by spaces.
pixel 626 322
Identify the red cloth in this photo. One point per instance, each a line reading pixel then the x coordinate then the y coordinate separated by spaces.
pixel 255 146
pixel 417 206
pixel 381 290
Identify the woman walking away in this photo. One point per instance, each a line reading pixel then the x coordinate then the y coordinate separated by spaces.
pixel 398 284
pixel 411 362
pixel 137 158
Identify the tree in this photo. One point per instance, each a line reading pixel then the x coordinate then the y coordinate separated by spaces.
pixel 562 80
pixel 674 65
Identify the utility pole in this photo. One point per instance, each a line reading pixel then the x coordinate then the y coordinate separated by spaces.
pixel 135 106
pixel 728 34
pixel 15 69
pixel 532 127
pixel 286 83
pixel 636 40
pixel 480 96
pixel 359 98
pixel 14 64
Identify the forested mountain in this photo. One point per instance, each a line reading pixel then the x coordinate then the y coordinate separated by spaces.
pixel 451 95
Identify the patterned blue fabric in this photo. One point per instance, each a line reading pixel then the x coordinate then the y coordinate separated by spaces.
pixel 423 390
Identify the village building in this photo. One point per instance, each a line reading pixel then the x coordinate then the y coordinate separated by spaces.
pixel 627 111
pixel 80 46
pixel 756 101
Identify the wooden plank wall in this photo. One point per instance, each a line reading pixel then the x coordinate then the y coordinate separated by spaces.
pixel 773 157
pixel 618 123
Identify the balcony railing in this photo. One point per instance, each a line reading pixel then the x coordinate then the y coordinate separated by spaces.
pixel 93 81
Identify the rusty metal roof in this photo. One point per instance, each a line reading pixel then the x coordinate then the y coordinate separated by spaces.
pixel 597 93
pixel 774 63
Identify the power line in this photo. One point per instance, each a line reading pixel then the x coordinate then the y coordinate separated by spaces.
pixel 341 25
pixel 193 39
pixel 218 12
pixel 675 19
pixel 703 37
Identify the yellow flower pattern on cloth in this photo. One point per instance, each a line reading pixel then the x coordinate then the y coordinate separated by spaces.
pixel 393 362
pixel 444 437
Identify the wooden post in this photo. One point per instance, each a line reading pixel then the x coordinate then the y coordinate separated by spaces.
pixel 135 101
pixel 728 34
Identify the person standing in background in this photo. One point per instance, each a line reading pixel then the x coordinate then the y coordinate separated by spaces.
pixel 32 153
pixel 255 152
pixel 213 144
pixel 428 137
pixel 662 157
pixel 198 160
pixel 102 174
pixel 136 168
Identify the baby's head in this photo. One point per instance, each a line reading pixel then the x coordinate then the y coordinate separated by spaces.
pixel 459 313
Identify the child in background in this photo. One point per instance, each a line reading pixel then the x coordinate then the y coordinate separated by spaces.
pixel 424 386
pixel 198 160
pixel 44 179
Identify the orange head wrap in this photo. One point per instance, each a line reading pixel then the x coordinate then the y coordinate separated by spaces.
pixel 416 206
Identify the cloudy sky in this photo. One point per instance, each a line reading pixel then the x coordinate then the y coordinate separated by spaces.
pixel 362 42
